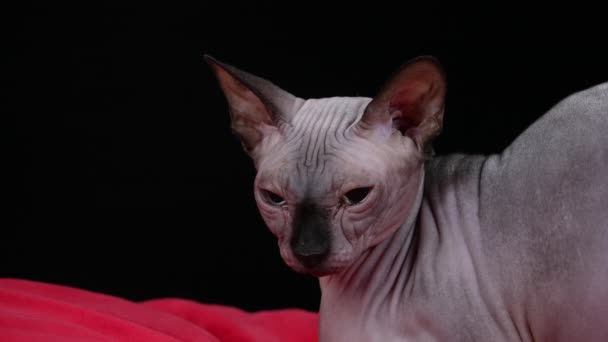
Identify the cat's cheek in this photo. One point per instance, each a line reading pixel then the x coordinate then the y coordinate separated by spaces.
pixel 344 227
pixel 276 219
pixel 366 216
pixel 360 232
pixel 286 255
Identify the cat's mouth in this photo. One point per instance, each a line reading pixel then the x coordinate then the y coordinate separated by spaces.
pixel 317 271
pixel 329 263
pixel 328 266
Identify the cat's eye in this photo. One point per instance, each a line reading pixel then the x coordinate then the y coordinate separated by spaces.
pixel 273 199
pixel 357 195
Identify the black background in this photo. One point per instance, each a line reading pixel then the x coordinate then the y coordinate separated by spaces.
pixel 124 175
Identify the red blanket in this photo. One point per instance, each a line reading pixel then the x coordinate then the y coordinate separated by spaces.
pixel 35 311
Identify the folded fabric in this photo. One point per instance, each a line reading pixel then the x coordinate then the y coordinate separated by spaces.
pixel 37 311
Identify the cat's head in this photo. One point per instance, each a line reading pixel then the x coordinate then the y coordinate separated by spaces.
pixel 337 175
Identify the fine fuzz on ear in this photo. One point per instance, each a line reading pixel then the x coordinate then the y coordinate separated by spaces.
pixel 412 101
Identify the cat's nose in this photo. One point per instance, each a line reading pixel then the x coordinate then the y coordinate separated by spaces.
pixel 309 258
pixel 310 240
pixel 310 247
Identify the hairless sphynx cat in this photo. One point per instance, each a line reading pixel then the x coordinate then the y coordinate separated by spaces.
pixel 414 247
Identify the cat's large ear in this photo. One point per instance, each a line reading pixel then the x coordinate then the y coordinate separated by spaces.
pixel 257 107
pixel 412 101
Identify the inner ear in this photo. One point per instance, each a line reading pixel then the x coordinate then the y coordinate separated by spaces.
pixel 412 101
pixel 401 122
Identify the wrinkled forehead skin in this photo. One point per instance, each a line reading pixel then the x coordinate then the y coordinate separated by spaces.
pixel 309 155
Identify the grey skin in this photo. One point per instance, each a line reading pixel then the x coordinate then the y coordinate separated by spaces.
pixel 414 247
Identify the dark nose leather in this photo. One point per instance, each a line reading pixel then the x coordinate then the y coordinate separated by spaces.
pixel 310 258
pixel 310 241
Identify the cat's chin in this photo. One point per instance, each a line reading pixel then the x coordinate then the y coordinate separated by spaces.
pixel 323 273
pixel 332 265
pixel 318 271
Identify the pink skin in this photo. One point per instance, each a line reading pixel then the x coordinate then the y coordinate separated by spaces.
pixel 380 164
pixel 319 149
pixel 506 247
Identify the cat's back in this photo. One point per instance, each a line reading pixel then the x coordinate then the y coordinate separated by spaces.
pixel 544 217
pixel 557 165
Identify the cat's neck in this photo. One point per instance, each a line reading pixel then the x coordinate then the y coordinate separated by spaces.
pixel 353 300
pixel 399 273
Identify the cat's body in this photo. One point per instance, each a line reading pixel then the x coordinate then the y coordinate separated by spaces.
pixel 506 247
